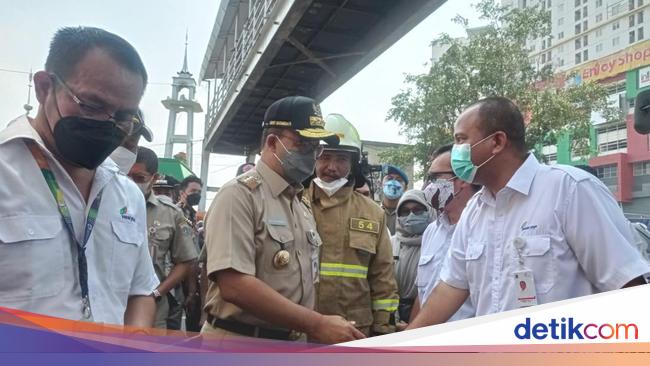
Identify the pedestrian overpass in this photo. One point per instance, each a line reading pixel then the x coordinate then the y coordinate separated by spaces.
pixel 262 50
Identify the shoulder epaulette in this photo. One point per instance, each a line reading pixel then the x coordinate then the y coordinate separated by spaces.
pixel 251 180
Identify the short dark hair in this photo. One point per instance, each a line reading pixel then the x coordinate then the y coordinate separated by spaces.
pixel 148 158
pixel 501 114
pixel 191 179
pixel 70 44
pixel 441 150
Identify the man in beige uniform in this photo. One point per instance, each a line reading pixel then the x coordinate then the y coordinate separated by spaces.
pixel 356 263
pixel 169 233
pixel 261 239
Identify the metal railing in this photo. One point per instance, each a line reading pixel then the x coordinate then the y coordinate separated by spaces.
pixel 235 63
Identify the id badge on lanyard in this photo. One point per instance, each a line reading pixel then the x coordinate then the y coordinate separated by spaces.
pixel 57 193
pixel 524 280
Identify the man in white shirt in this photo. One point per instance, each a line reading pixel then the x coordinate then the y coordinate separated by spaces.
pixel 73 243
pixel 448 195
pixel 534 234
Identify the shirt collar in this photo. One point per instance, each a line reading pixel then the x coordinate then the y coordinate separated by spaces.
pixel 337 198
pixel 153 199
pixel 276 183
pixel 523 177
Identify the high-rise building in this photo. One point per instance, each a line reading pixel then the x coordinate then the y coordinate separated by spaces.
pixel 605 41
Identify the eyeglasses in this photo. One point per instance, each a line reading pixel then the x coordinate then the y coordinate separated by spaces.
pixel 125 121
pixel 437 175
pixel 305 146
pixel 417 210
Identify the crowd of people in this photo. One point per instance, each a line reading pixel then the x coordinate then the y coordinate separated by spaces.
pixel 292 248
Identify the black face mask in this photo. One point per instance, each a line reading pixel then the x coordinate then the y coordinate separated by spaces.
pixel 86 142
pixel 193 199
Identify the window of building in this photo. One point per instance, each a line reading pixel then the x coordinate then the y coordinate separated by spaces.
pixel 577 3
pixel 584 12
pixel 599 47
pixel 578 43
pixel 607 171
pixel 584 1
pixel 639 34
pixel 599 18
pixel 578 28
pixel 585 55
pixel 639 18
pixel 631 5
pixel 585 26
pixel 577 15
pixel 599 3
pixel 560 21
pixel 585 41
pixel 641 168
pixel 561 62
pixel 632 39
pixel 631 20
pixel 615 41
pixel 543 44
pixel 543 58
pixel 639 3
pixel 615 25
pixel 578 58
pixel 560 35
pixel 612 139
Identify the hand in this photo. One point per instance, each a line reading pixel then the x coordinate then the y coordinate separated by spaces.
pixel 400 326
pixel 330 329
pixel 182 199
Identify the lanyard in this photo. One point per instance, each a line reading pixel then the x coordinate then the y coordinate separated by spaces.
pixel 82 263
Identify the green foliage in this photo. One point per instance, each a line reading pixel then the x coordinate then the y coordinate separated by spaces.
pixel 494 60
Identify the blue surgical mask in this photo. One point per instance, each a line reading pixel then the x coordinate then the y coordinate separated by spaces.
pixel 461 161
pixel 414 224
pixel 393 189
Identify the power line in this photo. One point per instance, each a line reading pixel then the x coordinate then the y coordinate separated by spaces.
pixel 15 71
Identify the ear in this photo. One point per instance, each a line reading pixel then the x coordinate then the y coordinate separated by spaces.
pixel 500 142
pixel 42 85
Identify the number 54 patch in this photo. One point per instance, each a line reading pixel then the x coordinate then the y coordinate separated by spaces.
pixel 368 226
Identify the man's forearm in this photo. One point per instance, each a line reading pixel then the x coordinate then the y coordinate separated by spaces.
pixel 443 302
pixel 140 311
pixel 177 274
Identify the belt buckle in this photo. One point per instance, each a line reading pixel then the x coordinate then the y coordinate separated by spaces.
pixel 294 335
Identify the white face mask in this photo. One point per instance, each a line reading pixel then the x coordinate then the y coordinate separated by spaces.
pixel 144 187
pixel 330 188
pixel 124 158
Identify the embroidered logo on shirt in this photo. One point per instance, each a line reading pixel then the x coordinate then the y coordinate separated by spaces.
pixel 525 226
pixel 124 212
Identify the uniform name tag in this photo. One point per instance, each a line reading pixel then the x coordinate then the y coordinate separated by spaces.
pixel 368 226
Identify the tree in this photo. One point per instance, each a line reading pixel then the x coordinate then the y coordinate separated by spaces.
pixel 494 60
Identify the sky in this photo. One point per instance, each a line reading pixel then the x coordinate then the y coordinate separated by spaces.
pixel 157 30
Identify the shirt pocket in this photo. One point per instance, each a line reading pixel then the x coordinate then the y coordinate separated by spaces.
pixel 364 245
pixel 425 271
pixel 538 257
pixel 281 238
pixel 127 239
pixel 475 264
pixel 31 257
